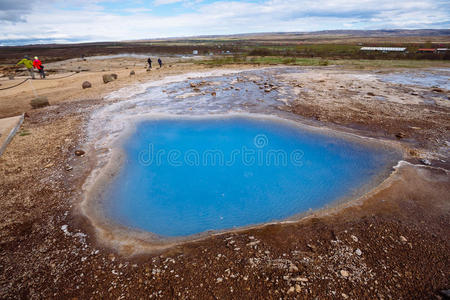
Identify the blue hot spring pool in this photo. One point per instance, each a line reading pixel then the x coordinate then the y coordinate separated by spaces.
pixel 186 176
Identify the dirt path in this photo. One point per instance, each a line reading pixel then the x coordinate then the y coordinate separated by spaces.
pixel 64 84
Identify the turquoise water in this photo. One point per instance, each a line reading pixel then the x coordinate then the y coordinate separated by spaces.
pixel 187 176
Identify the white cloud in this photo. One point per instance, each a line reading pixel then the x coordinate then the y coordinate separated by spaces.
pixel 91 22
pixel 163 2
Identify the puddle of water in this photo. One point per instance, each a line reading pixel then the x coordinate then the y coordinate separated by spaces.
pixel 380 98
pixel 430 78
pixel 186 176
pixel 429 101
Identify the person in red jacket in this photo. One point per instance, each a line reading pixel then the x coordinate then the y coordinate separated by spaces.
pixel 38 65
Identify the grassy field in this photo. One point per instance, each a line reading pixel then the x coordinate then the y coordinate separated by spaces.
pixel 384 63
pixel 295 61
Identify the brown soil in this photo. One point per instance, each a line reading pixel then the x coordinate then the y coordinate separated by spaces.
pixel 392 244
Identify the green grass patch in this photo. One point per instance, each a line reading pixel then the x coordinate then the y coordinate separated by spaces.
pixel 264 60
pixel 316 61
pixel 24 132
pixel 394 63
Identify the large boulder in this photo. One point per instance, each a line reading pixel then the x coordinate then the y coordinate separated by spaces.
pixel 39 102
pixel 108 78
pixel 86 85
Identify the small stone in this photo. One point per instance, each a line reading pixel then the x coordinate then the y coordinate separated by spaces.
pixel 39 102
pixel 69 168
pixel 414 93
pixel 220 279
pixel 425 162
pixel 293 268
pixel 403 239
pixel 267 90
pixel 358 252
pixel 79 152
pixel 213 94
pixel 114 76
pixel 192 85
pixel 86 85
pixel 344 273
pixel 132 73
pixel 48 165
pixel 344 296
pixel 291 290
pixel 354 238
pixel 312 247
pixel 11 77
pixel 298 288
pixel 370 94
pixel 438 90
pixel 445 293
pixel 301 279
pixel 400 135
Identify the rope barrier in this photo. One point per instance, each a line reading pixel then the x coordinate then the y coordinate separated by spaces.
pixel 10 87
pixel 63 76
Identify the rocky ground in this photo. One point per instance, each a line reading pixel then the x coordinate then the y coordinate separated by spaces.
pixel 392 244
pixel 418 116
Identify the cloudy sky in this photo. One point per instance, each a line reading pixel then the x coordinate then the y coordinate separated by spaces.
pixel 62 21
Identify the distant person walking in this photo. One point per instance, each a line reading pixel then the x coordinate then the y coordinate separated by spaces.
pixel 160 62
pixel 38 65
pixel 149 60
pixel 28 63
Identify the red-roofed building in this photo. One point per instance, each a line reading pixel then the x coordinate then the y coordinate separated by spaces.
pixel 426 50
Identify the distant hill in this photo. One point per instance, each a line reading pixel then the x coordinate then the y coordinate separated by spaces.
pixel 354 33
pixel 305 35
pixel 385 32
